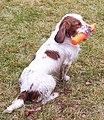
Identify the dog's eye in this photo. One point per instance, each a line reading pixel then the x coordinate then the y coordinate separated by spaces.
pixel 79 25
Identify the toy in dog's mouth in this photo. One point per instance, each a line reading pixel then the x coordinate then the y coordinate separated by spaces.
pixel 83 33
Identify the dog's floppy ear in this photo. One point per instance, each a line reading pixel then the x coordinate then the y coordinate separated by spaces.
pixel 60 36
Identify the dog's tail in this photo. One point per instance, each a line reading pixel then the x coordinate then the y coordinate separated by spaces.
pixel 17 103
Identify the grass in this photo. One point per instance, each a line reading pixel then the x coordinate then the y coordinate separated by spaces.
pixel 24 26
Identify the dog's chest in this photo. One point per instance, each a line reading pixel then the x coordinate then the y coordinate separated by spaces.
pixel 70 51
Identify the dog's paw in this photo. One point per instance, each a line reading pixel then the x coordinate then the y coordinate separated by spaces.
pixel 54 95
pixel 51 97
pixel 68 78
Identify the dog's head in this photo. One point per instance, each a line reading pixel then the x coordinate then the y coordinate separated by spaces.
pixel 69 27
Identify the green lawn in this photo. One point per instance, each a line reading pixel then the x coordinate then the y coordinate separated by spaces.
pixel 24 26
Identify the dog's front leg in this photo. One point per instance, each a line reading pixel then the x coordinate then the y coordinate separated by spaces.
pixel 63 71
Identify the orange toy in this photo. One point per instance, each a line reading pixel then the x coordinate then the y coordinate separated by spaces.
pixel 82 36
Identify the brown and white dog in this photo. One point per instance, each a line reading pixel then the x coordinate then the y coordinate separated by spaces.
pixel 56 55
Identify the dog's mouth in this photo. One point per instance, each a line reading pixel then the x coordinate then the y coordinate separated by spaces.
pixel 86 29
